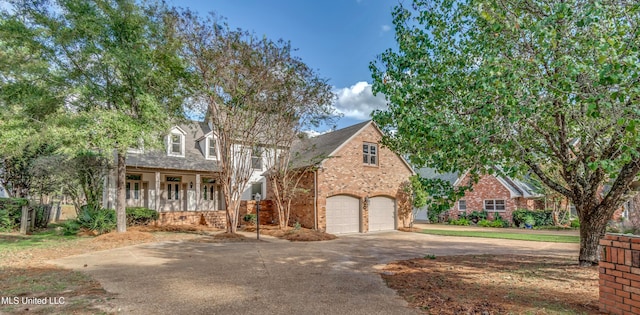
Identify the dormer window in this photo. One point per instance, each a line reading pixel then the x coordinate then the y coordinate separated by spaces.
pixel 211 148
pixel 175 143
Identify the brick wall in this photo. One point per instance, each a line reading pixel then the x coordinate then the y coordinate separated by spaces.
pixel 216 219
pixel 267 210
pixel 620 274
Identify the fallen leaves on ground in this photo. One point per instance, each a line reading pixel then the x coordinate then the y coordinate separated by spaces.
pixel 292 234
pixel 487 284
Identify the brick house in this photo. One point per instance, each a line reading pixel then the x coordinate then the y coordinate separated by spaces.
pixel 352 185
pixel 496 194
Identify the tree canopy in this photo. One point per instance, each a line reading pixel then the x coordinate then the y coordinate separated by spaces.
pixel 544 88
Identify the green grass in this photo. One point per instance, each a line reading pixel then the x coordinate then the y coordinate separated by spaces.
pixel 43 238
pixel 508 236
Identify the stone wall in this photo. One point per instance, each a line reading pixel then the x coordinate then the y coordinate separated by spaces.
pixel 620 274
pixel 216 219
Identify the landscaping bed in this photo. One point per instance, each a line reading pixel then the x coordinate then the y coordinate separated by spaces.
pixel 292 234
pixel 487 284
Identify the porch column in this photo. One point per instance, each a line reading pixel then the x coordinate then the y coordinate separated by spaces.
pixel 198 192
pixel 157 196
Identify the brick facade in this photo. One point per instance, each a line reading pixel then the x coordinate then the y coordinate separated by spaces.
pixel 216 219
pixel 344 173
pixel 620 274
pixel 490 188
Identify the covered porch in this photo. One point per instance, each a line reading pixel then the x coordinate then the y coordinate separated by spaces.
pixel 168 191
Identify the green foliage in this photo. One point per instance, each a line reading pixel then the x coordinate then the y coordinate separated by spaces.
pixel 250 218
pixel 545 88
pixel 498 222
pixel 540 217
pixel 140 216
pixel 11 213
pixel 96 219
pixel 461 221
pixel 476 216
pixel 575 223
pixel 484 223
pixel 297 226
pixel 71 227
pixel 529 220
pixel 420 195
pixel 430 256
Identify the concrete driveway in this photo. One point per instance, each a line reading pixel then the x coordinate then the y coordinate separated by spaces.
pixel 275 276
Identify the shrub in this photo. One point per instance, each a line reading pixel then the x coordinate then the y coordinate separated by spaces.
pixel 541 217
pixel 99 220
pixel 575 223
pixel 461 221
pixel 484 223
pixel 140 216
pixel 71 227
pixel 11 212
pixel 499 222
pixel 476 216
pixel 250 218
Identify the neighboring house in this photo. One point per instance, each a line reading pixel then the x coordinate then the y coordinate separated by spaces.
pixel 353 183
pixel 495 194
pixel 181 181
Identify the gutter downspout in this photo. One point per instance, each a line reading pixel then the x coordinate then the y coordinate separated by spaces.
pixel 315 199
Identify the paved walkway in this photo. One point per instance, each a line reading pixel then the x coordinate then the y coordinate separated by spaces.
pixel 275 277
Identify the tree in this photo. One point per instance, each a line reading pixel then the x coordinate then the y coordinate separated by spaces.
pixel 119 64
pixel 256 96
pixel 520 87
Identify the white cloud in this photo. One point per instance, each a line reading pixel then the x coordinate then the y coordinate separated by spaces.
pixel 313 133
pixel 357 101
pixel 385 28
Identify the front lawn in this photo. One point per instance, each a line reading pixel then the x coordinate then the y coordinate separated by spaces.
pixel 507 235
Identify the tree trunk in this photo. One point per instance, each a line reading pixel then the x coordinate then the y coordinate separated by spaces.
pixel 121 214
pixel 591 231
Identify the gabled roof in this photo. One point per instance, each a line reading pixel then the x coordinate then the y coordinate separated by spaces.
pixel 518 188
pixel 193 160
pixel 314 150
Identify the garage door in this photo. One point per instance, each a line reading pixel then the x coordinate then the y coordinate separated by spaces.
pixel 343 214
pixel 381 214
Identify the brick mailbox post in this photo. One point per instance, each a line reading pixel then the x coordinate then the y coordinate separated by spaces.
pixel 620 274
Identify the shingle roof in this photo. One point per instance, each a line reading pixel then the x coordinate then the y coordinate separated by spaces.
pixel 194 159
pixel 314 150
pixel 431 173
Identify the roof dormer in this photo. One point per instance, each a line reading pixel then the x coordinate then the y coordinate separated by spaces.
pixel 175 142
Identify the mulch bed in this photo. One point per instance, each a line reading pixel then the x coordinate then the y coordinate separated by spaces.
pixel 486 284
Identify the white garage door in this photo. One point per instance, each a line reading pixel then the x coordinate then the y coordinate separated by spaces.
pixel 381 214
pixel 343 214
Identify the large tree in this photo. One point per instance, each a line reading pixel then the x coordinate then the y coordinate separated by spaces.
pixel 256 94
pixel 548 88
pixel 120 66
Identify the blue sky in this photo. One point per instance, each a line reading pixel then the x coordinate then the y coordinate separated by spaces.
pixel 338 38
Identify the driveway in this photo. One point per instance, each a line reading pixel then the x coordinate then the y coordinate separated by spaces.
pixel 275 276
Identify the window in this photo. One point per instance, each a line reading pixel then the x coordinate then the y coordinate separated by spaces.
pixel 175 144
pixel 256 158
pixel 462 205
pixel 208 188
pixel 132 186
pixel 256 189
pixel 212 152
pixel 370 154
pixel 494 205
pixel 173 188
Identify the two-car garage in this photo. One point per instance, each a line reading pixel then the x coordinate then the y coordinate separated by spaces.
pixel 343 214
